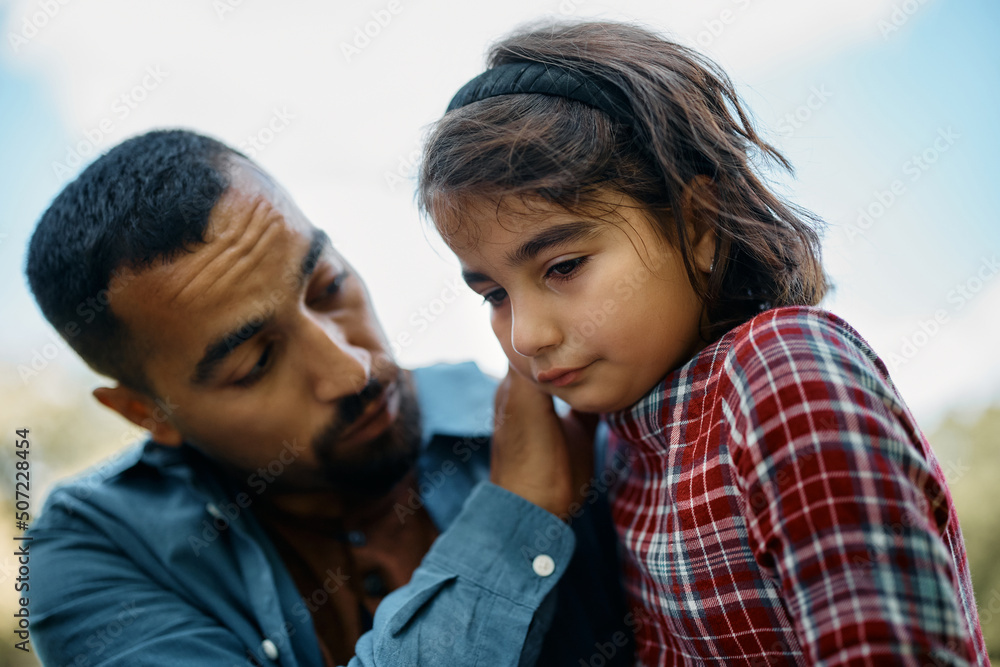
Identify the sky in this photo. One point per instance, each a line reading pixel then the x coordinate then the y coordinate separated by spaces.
pixel 885 107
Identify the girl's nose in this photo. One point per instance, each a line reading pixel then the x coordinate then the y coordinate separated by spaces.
pixel 533 328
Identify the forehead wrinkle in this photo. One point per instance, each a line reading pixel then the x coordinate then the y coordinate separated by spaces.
pixel 261 250
pixel 248 242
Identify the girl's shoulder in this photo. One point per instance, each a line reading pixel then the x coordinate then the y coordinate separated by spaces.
pixel 798 369
pixel 795 323
pixel 801 343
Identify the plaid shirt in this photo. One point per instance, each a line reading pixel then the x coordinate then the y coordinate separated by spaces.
pixel 781 506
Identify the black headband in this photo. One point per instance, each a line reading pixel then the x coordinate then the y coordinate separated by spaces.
pixel 542 79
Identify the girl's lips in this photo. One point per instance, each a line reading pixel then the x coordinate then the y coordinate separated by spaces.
pixel 560 377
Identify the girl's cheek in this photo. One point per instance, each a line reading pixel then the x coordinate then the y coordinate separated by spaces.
pixel 523 367
pixel 500 322
pixel 501 329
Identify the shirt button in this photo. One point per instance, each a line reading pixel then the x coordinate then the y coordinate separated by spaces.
pixel 543 565
pixel 270 650
pixel 214 511
pixel 374 585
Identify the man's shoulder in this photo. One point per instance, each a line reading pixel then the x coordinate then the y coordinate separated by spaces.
pixel 118 488
pixel 153 508
pixel 455 399
pixel 464 373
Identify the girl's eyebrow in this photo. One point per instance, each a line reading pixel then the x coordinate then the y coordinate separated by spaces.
pixel 555 235
pixel 547 238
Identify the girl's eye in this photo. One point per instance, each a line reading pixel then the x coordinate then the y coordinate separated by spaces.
pixel 567 268
pixel 496 297
pixel 258 370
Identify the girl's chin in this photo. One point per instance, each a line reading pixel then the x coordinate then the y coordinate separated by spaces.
pixel 600 404
pixel 580 402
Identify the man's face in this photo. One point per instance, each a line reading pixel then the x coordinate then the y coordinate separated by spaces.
pixel 263 344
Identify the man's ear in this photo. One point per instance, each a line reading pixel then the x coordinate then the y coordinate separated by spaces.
pixel 142 411
pixel 700 205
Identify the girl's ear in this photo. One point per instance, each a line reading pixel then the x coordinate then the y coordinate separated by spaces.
pixel 700 207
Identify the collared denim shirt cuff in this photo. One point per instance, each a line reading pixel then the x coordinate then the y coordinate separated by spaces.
pixel 500 542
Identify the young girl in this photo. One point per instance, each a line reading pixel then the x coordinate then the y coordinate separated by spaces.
pixel 781 506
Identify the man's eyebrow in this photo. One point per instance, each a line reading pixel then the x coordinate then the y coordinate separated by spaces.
pixel 319 243
pixel 219 349
pixel 556 235
pixel 472 277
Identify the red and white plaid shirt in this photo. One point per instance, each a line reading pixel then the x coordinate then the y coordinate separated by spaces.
pixel 781 506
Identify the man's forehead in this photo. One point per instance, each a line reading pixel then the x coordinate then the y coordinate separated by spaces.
pixel 231 253
pixel 256 238
pixel 249 187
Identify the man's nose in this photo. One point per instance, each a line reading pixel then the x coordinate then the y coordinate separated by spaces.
pixel 533 327
pixel 337 367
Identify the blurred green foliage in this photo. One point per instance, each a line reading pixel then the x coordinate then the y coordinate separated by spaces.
pixel 968 447
pixel 69 431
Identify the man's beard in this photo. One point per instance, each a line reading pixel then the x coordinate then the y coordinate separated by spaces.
pixel 373 468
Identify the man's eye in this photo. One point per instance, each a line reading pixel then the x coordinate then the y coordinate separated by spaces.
pixel 332 288
pixel 567 268
pixel 335 284
pixel 496 297
pixel 258 370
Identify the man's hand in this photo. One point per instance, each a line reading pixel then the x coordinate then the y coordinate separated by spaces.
pixel 535 454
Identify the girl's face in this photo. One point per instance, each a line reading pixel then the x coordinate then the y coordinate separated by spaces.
pixel 595 312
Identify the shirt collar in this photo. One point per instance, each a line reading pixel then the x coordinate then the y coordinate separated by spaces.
pixel 455 400
pixel 644 420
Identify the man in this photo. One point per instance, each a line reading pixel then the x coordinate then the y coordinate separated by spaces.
pixel 275 506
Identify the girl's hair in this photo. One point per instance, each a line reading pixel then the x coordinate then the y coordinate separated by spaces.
pixel 687 121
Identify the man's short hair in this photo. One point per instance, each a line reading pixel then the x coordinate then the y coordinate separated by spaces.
pixel 147 199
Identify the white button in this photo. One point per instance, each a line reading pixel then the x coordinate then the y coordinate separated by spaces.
pixel 214 511
pixel 543 565
pixel 270 650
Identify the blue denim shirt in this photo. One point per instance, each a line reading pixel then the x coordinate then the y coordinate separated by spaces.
pixel 155 562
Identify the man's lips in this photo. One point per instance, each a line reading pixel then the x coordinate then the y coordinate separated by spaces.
pixel 560 377
pixel 375 418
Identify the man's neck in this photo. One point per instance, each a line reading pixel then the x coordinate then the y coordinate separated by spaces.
pixel 326 507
